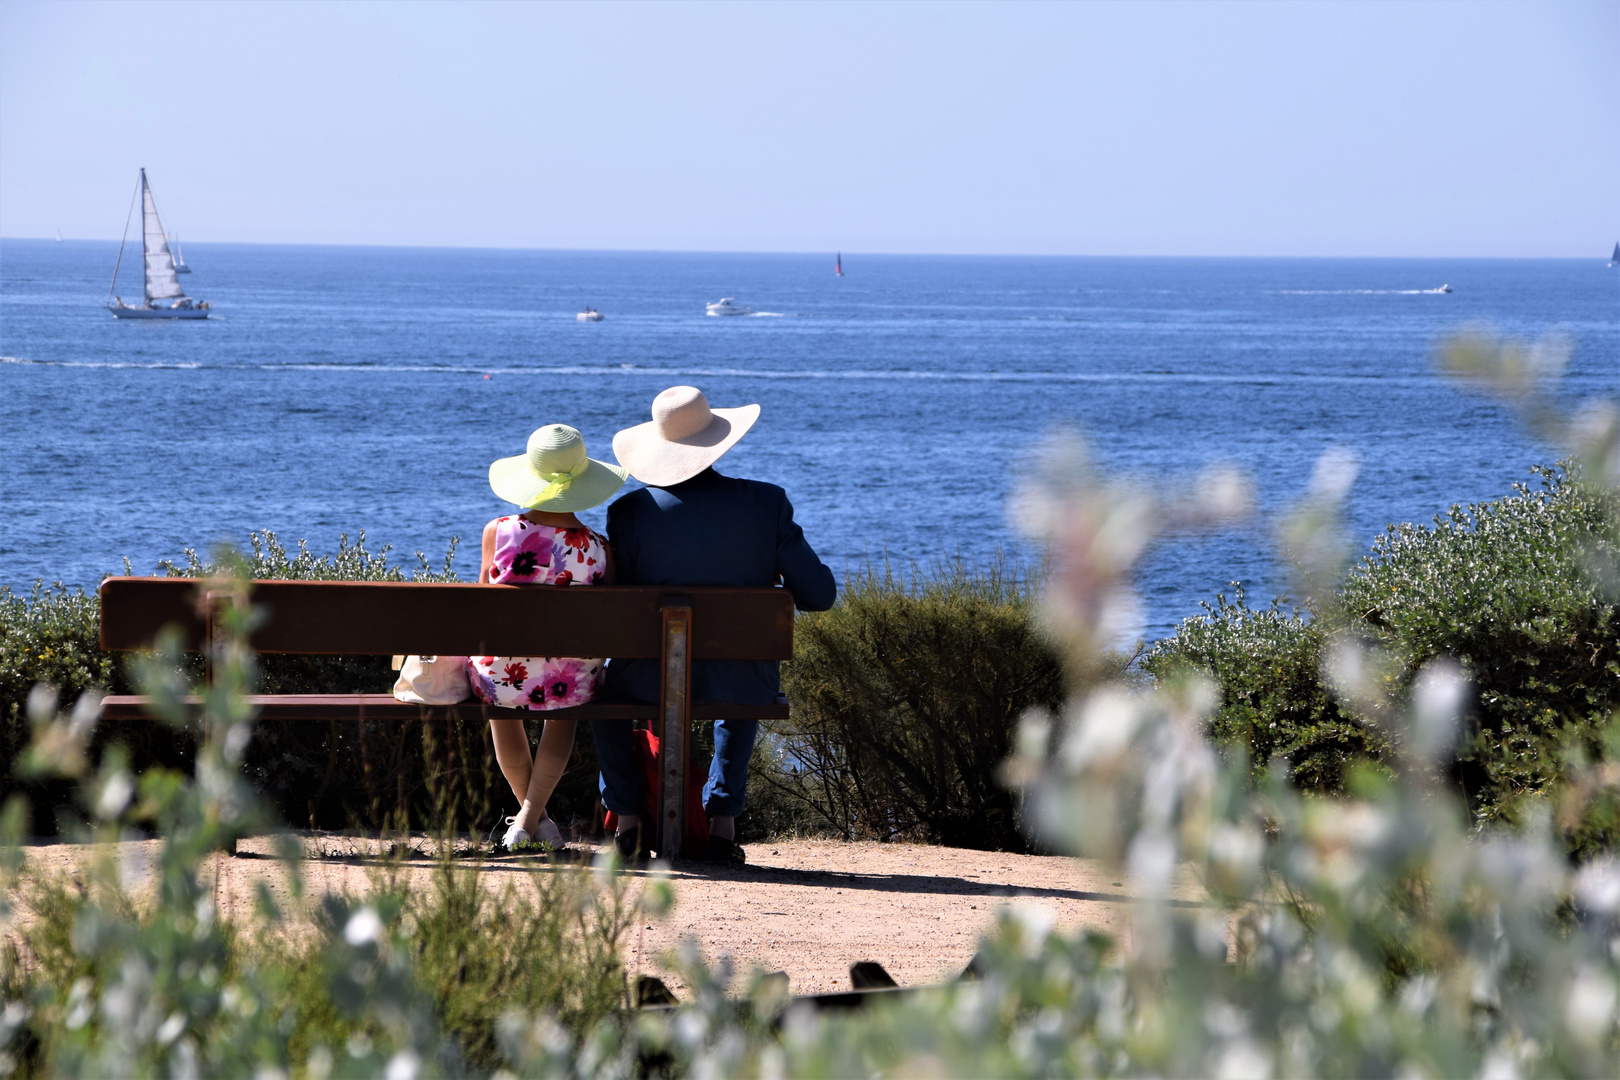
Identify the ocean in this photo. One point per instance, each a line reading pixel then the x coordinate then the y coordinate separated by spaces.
pixel 340 389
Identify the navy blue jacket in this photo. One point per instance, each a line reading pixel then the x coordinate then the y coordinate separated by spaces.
pixel 713 530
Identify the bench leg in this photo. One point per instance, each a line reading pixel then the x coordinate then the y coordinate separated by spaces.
pixel 675 719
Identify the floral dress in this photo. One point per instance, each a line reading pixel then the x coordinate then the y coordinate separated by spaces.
pixel 531 554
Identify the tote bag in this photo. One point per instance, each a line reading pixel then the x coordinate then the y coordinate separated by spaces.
pixel 432 680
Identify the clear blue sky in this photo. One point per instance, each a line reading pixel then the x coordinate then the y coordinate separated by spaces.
pixel 1189 129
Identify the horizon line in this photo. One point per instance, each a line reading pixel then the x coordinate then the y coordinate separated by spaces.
pixel 790 252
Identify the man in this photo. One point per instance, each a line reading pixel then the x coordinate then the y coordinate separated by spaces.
pixel 692 526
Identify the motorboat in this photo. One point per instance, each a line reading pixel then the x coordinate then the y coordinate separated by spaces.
pixel 1443 288
pixel 590 314
pixel 164 298
pixel 727 306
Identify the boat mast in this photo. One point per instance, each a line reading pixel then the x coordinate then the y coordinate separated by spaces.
pixel 146 252
pixel 127 218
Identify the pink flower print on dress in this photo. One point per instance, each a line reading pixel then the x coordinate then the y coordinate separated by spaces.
pixel 560 680
pixel 531 554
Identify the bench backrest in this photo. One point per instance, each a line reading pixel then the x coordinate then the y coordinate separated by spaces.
pixel 370 618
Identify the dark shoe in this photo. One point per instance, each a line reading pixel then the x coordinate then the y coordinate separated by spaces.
pixel 726 852
pixel 630 845
pixel 652 991
pixel 869 975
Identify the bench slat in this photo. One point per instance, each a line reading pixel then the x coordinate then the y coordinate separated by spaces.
pixel 274 707
pixel 371 618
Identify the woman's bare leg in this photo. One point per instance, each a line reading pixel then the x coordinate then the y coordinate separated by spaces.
pixel 512 753
pixel 556 747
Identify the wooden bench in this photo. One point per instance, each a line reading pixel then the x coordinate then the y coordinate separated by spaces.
pixel 363 618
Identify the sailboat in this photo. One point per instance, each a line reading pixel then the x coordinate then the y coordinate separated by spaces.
pixel 180 266
pixel 838 264
pixel 1615 258
pixel 165 299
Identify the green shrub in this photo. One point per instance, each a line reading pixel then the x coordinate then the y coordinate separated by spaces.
pixel 1273 701
pixel 1501 586
pixel 904 699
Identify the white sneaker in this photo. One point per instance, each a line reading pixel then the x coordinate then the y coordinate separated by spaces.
pixel 549 833
pixel 514 835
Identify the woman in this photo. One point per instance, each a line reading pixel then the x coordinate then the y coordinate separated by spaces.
pixel 545 545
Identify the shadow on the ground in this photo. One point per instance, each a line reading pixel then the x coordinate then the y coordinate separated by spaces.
pixel 931 884
pixel 920 884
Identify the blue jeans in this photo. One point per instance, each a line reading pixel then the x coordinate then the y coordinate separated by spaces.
pixel 723 796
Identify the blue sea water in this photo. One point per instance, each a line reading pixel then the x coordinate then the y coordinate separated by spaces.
pixel 346 388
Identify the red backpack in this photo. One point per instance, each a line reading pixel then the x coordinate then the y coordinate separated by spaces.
pixel 695 841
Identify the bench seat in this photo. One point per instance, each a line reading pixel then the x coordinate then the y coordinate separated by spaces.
pixel 274 707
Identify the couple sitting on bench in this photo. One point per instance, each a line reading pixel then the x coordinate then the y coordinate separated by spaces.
pixel 688 526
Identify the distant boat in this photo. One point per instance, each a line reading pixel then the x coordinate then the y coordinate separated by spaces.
pixel 1443 288
pixel 590 314
pixel 726 307
pixel 158 270
pixel 180 266
pixel 58 236
pixel 1615 258
pixel 838 265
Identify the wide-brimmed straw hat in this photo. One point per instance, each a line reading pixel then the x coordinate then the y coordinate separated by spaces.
pixel 555 475
pixel 684 438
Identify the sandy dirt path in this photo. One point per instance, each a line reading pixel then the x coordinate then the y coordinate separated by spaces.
pixel 810 908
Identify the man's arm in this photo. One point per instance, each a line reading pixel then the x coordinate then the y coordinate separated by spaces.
pixel 813 586
pixel 621 546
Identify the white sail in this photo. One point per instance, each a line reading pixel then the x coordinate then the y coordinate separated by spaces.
pixel 161 283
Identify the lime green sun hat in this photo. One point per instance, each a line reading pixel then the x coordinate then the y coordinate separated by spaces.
pixel 555 475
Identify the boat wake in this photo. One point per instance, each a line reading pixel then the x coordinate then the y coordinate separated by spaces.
pixel 161 365
pixel 765 315
pixel 1360 292
pixel 799 375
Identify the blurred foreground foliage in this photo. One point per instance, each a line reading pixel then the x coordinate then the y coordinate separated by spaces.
pixel 125 966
